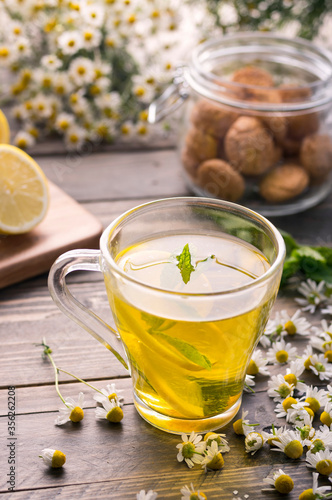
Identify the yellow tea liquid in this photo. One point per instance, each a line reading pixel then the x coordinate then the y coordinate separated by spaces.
pixel 189 357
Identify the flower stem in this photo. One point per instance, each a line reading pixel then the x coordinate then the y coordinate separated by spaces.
pixel 56 378
pixel 80 380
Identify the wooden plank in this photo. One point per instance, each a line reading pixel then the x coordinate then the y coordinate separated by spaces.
pixel 67 225
pixel 113 176
pixel 134 450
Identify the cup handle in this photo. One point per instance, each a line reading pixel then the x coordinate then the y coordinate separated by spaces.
pixel 82 260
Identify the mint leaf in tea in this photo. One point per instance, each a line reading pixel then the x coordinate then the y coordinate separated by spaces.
pixel 184 264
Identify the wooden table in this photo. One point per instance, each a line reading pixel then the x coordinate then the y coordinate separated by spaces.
pixel 105 461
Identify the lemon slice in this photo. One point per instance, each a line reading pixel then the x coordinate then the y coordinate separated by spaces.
pixel 23 191
pixel 4 129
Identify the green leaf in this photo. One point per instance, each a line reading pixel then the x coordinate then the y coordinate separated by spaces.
pixel 184 264
pixel 187 350
pixel 289 242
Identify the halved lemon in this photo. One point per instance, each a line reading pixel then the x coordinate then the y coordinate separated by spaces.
pixel 24 194
pixel 4 129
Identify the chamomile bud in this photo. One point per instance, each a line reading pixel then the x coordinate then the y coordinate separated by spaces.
pixel 213 459
pixel 253 442
pixel 53 458
pixel 282 482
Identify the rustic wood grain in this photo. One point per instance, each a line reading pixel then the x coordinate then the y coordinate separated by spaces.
pixel 67 225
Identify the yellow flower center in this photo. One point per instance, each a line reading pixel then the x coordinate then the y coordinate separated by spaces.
pixel 125 129
pixel 88 36
pixel 47 81
pixel 155 14
pixel 294 449
pixel 41 106
pixel 17 31
pixel 34 132
pixel 313 404
pixel 94 90
pixel 143 116
pixel 252 368
pixel 216 463
pixel 308 363
pixel 73 138
pixel 131 19
pixel 58 459
pixel 324 467
pixel 102 130
pixel 112 397
pixel 288 402
pixel 290 328
pixel 238 428
pixel 309 410
pixel 282 356
pixel 142 130
pixel 4 52
pixel 307 495
pixel 284 484
pixel 197 495
pixel 328 356
pixel 272 440
pixel 81 70
pixel 64 124
pixel 326 419
pixel 77 414
pixel 21 47
pixel 73 98
pixel 60 89
pixel 115 415
pixel 71 43
pixel 22 143
pixel 140 91
pixel 291 379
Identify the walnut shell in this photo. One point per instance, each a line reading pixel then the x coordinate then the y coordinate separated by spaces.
pixel 252 75
pixel 189 162
pixel 201 145
pixel 218 178
pixel 249 146
pixel 284 183
pixel 316 155
pixel 211 118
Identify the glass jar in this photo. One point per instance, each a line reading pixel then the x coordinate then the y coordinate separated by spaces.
pixel 255 125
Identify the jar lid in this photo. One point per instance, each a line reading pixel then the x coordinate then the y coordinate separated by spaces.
pixel 301 70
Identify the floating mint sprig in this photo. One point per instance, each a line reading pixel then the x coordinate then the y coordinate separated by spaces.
pixel 184 264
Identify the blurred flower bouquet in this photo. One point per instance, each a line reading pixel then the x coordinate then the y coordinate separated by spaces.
pixel 87 69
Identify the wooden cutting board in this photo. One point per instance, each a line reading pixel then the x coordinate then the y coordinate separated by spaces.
pixel 66 226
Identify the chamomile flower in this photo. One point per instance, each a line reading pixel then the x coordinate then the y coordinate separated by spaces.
pixel 322 343
pixel 93 14
pixel 91 37
pixel 72 411
pixel 126 131
pixel 295 324
pixel 75 136
pixel 99 86
pixel 324 329
pixel 81 71
pixel 142 90
pixel 306 431
pixel 282 482
pixel 300 414
pixel 313 295
pixel 22 47
pixel 111 393
pixel 102 68
pixel 257 364
pixel 321 367
pixel 53 458
pixel 279 389
pixel 149 495
pixel 322 439
pixel 42 106
pixel 315 492
pixel 110 411
pixel 213 459
pixel 70 42
pixel 293 373
pixel 253 442
pixel 326 415
pixel 291 444
pixel 265 341
pixel 281 352
pixel 321 461
pixel 24 140
pixel 220 440
pixel 306 357
pixel 316 398
pixel 191 449
pixel 283 406
pixel 274 327
pixel 62 85
pixel 242 426
pixel 109 103
pixel 7 55
pixel 191 493
pixel 51 62
pixel 63 121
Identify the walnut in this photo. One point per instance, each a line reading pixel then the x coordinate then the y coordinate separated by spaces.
pixel 211 118
pixel 200 145
pixel 252 75
pixel 218 178
pixel 284 183
pixel 249 146
pixel 316 155
pixel 302 123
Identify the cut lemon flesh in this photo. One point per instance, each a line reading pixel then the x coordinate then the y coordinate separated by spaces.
pixel 4 129
pixel 24 194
